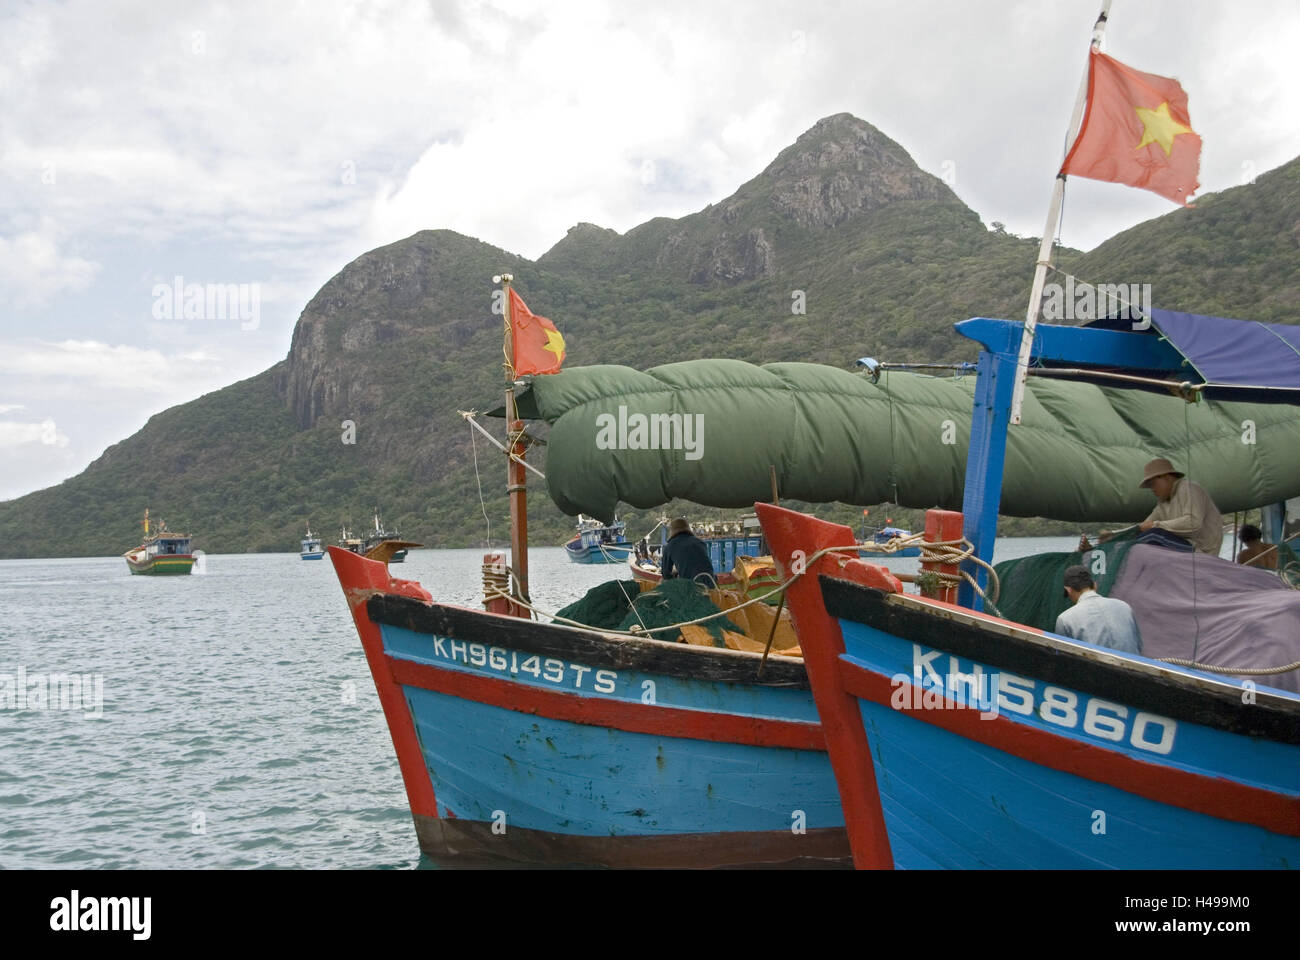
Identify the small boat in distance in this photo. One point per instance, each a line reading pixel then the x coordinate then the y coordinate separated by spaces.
pixel 351 543
pixel 161 553
pixel 380 544
pixel 598 542
pixel 311 546
pixel 390 540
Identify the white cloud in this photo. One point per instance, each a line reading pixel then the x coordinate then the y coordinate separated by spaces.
pixel 46 433
pixel 93 365
pixel 33 270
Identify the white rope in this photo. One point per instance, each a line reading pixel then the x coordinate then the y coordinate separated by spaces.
pixel 944 552
pixel 1244 671
pixel 481 502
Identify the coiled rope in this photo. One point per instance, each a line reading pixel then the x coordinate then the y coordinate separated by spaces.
pixel 946 552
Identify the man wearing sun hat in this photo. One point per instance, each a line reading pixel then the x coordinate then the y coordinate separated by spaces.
pixel 1185 509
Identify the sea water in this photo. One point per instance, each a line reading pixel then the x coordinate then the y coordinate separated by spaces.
pixel 222 719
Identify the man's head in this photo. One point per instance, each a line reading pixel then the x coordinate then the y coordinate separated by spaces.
pixel 1159 477
pixel 678 526
pixel 1251 533
pixel 1078 580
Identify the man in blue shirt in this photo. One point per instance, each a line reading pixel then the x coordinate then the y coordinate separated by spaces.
pixel 686 556
pixel 1103 621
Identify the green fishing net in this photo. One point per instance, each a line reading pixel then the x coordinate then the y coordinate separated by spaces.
pixel 1033 587
pixel 673 601
pixel 603 606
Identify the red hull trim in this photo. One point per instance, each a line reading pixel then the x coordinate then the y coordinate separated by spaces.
pixel 1212 796
pixel 617 714
pixel 791 534
pixel 360 578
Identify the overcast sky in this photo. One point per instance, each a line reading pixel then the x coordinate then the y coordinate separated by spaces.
pixel 269 144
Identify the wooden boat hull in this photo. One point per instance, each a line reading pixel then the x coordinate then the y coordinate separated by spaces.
pixel 529 742
pixel 1054 755
pixel 163 566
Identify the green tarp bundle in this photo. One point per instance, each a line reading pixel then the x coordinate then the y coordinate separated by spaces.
pixel 708 430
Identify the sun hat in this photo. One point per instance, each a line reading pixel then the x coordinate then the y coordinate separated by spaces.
pixel 1157 468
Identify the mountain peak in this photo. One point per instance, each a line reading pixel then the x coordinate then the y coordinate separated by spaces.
pixel 839 167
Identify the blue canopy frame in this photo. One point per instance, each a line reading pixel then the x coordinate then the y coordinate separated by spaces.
pixel 1135 348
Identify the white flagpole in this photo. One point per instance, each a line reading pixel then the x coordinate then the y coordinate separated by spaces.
pixel 1053 220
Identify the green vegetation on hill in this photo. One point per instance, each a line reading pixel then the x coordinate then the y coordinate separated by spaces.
pixel 883 255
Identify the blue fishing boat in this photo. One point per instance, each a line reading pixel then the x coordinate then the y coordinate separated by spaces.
pixel 520 741
pixel 960 739
pixel 525 741
pixel 311 546
pixel 530 741
pixel 598 542
pixel 963 739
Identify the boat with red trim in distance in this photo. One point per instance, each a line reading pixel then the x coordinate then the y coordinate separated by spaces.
pixel 162 553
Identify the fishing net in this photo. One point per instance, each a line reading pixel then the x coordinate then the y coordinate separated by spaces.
pixel 1033 587
pixel 603 606
pixel 674 601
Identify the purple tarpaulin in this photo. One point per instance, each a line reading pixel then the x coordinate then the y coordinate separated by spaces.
pixel 1238 352
pixel 1196 607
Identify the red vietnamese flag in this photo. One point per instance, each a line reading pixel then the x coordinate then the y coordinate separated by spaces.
pixel 1136 131
pixel 538 346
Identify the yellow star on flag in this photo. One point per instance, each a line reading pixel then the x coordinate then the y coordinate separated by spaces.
pixel 554 342
pixel 1159 127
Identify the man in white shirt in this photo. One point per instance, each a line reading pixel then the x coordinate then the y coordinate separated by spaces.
pixel 1185 509
pixel 1104 621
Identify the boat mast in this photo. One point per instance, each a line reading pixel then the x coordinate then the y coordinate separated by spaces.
pixel 1053 221
pixel 516 478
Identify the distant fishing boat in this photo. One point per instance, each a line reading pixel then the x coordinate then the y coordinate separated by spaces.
pixel 598 542
pixel 351 543
pixel 386 545
pixel 162 553
pixel 311 546
pixel 380 544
